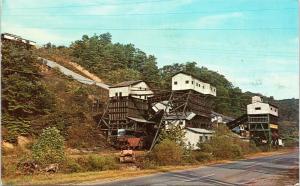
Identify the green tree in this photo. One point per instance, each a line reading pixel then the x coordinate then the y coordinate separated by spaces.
pixel 173 133
pixel 23 94
pixel 49 147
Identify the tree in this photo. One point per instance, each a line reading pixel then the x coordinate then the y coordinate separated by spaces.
pixel 49 147
pixel 149 70
pixel 23 94
pixel 126 74
pixel 173 133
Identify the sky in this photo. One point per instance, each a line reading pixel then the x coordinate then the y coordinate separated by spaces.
pixel 253 43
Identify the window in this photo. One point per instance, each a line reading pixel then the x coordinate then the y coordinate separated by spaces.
pixel 201 138
pixel 187 82
pixel 175 82
pixel 257 108
pixel 116 94
pixel 192 82
pixel 140 88
pixel 275 110
pixel 271 108
pixel 203 87
pixel 120 94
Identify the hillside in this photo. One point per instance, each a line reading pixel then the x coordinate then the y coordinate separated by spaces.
pixel 35 97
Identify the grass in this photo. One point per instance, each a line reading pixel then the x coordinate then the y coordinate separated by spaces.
pixel 60 178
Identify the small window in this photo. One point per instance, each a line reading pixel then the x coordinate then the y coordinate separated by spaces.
pixel 120 94
pixel 257 108
pixel 140 88
pixel 203 87
pixel 192 82
pixel 201 138
pixel 186 82
pixel 116 94
pixel 175 82
pixel 271 108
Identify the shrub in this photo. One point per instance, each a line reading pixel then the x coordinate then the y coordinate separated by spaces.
pixel 70 166
pixel 49 147
pixel 205 147
pixel 189 159
pixel 225 145
pixel 202 156
pixel 167 152
pixel 236 151
pixel 146 161
pixel 100 163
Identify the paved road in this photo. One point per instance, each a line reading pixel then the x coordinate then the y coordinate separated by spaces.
pixel 258 171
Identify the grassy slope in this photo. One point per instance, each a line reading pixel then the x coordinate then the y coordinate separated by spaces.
pixel 73 113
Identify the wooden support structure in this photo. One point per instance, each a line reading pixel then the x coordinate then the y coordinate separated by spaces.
pixel 262 127
pixel 180 102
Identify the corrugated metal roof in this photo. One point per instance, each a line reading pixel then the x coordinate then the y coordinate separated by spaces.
pixel 180 115
pixel 74 75
pixel 202 131
pixel 140 120
pixel 225 118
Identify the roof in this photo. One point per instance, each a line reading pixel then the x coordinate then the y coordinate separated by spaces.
pixel 272 104
pixel 227 118
pixel 67 72
pixel 17 38
pixel 200 131
pixel 126 83
pixel 140 120
pixel 189 74
pixel 180 116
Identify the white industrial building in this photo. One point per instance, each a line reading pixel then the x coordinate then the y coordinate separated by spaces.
pixel 137 89
pixel 192 135
pixel 258 107
pixel 185 81
pixel 195 135
pixel 16 38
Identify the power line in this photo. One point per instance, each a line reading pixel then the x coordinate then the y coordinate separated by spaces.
pixel 91 5
pixel 155 13
pixel 227 51
pixel 167 29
